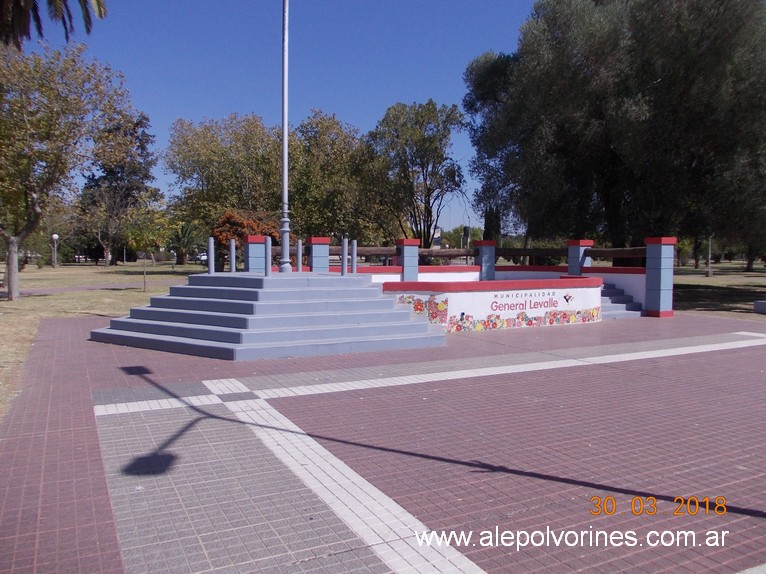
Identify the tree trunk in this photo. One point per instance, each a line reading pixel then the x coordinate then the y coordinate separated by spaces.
pixel 12 268
pixel 697 252
pixel 751 257
pixel 527 245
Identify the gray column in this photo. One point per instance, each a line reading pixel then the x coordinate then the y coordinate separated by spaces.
pixel 486 259
pixel 660 256
pixel 576 259
pixel 319 254
pixel 407 257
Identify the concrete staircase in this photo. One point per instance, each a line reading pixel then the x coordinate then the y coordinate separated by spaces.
pixel 246 316
pixel 615 304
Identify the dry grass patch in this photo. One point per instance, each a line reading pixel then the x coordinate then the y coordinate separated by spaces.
pixel 19 319
pixel 730 292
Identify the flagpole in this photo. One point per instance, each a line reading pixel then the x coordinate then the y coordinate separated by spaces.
pixel 284 230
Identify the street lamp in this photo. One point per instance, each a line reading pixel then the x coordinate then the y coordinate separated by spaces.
pixel 55 238
pixel 284 230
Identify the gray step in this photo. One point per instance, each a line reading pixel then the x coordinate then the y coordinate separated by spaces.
pixel 235 321
pixel 217 350
pixel 273 294
pixel 278 335
pixel 620 314
pixel 609 306
pixel 243 316
pixel 269 307
pixel 612 292
pixel 615 304
pixel 618 299
pixel 280 280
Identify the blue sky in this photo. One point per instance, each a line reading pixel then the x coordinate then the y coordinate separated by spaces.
pixel 203 59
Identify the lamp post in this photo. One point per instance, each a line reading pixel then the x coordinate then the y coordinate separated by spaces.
pixel 55 238
pixel 284 230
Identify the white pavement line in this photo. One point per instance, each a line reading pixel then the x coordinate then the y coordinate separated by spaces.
pixel 388 529
pixel 511 369
pixel 660 353
pixel 225 386
pixel 155 405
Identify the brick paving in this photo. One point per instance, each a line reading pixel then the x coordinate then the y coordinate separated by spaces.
pixel 115 459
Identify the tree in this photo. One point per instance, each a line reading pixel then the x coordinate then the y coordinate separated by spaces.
pixel 49 110
pixel 328 196
pixel 185 238
pixel 624 118
pixel 146 225
pixel 236 225
pixel 119 183
pixel 17 16
pixel 412 144
pixel 455 237
pixel 219 165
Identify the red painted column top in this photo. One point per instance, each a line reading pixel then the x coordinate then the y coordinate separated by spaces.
pixel 661 240
pixel 405 241
pixel 255 239
pixel 317 241
pixel 485 243
pixel 580 243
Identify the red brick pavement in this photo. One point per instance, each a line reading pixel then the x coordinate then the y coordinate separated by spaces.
pixel 54 506
pixel 528 451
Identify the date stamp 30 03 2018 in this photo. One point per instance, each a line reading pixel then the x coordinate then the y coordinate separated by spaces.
pixel 647 506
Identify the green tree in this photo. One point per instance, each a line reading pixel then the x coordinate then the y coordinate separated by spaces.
pixel 146 225
pixel 411 145
pixel 123 162
pixel 219 165
pixel 50 106
pixel 17 17
pixel 185 238
pixel 328 196
pixel 625 118
pixel 455 237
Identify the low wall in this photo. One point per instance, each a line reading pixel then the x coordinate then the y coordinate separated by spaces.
pixel 630 279
pixel 515 272
pixel 430 273
pixel 484 305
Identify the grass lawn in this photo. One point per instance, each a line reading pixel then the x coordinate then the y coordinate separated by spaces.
pixel 729 292
pixel 76 290
pixel 73 290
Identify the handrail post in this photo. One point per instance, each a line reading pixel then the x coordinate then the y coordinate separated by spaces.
pixel 344 256
pixel 232 255
pixel 210 256
pixel 299 255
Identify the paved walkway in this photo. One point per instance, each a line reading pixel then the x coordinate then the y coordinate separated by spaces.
pixel 554 449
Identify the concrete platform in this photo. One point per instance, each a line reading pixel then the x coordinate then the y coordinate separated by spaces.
pixel 116 459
